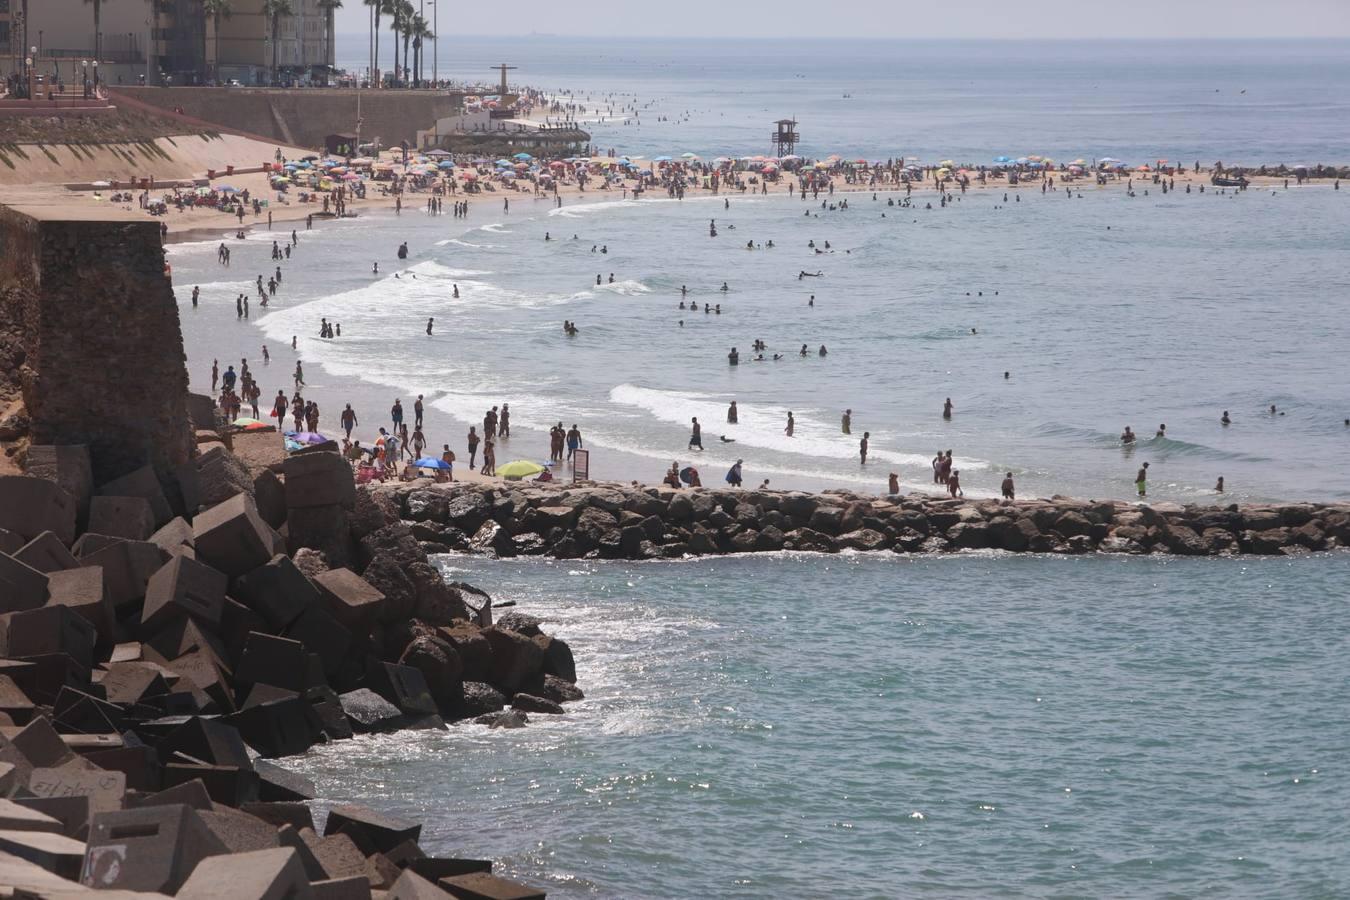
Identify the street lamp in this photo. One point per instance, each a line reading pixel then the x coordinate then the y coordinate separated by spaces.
pixel 95 76
pixel 84 70
pixel 28 68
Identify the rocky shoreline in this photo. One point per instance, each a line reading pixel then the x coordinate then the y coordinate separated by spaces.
pixel 645 523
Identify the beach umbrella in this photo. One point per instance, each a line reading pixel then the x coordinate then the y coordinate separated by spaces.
pixel 431 462
pixel 662 159
pixel 1079 162
pixel 520 468
pixel 245 421
pixel 1002 159
pixel 307 437
pixel 447 164
pixel 227 189
pixel 523 156
pixel 438 152
pixel 687 155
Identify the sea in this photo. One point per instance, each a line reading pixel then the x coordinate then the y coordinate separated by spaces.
pixel 881 726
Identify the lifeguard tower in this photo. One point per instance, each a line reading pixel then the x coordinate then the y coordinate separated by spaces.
pixel 785 138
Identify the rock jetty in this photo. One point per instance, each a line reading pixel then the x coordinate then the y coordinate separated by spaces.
pixel 637 523
pixel 164 634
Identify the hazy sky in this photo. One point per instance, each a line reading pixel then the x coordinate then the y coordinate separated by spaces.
pixel 886 18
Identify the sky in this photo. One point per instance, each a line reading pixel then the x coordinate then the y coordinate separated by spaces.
pixel 887 18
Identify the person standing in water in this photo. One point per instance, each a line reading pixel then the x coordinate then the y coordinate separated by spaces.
pixel 847 422
pixel 732 416
pixel 1009 490
pixel 695 434
pixel 1218 485
pixel 473 445
pixel 1141 480
pixel 947 408
pixel 862 446
pixel 791 425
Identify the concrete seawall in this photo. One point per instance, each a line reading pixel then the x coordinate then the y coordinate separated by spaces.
pixel 303 117
pixel 629 522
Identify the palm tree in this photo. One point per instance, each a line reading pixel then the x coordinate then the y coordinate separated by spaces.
pixel 274 10
pixel 376 6
pixel 394 8
pixel 98 28
pixel 329 7
pixel 406 13
pixel 217 10
pixel 421 34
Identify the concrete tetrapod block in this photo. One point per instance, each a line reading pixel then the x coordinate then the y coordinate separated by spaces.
pixel 323 635
pixel 14 702
pixel 261 875
pixel 277 591
pixel 47 554
pixel 174 537
pixel 30 506
pixel 71 812
pixel 142 483
pixel 83 592
pixel 369 712
pixel 76 712
pixel 183 587
pixel 239 831
pixel 482 886
pixel 349 599
pixel 231 537
pixel 229 785
pixel 47 630
pixel 124 517
pixel 154 848
pixel 69 466
pixel 21 586
pixel 14 817
pixel 277 661
pixel 206 740
pixel 379 830
pixel 319 479
pixel 411 886
pixel 284 727
pixel 403 686
pixel 356 887
pixel 106 791
pixel 435 868
pixel 56 853
pixel 40 744
pixel 127 567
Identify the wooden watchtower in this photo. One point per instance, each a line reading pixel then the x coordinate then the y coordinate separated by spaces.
pixel 785 138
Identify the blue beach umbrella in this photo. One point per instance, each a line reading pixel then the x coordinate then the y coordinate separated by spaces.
pixel 227 189
pixel 523 156
pixel 662 159
pixel 429 462
pixel 1002 159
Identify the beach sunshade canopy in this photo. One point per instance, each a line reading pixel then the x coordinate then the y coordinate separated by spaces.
pixel 102 184
pixel 688 155
pixel 245 421
pixel 519 468
pixel 307 437
pixel 1002 159
pixel 227 189
pixel 430 462
pixel 523 155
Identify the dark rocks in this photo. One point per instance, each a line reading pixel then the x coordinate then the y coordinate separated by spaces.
pixel 529 703
pixel 515 658
pixel 481 697
pixel 369 712
pixel 513 718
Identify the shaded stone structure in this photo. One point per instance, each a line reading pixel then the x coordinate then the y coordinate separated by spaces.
pixel 91 351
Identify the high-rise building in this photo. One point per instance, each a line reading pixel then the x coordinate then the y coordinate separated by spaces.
pixel 247 49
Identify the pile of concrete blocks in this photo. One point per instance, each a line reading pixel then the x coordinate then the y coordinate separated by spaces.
pixel 164 634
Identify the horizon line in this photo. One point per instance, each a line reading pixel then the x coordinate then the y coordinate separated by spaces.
pixel 1076 39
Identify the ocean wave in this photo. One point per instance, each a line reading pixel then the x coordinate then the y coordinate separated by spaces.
pixel 761 426
pixel 496 228
pixel 627 288
pixel 458 243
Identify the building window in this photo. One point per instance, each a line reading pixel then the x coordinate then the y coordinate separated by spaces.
pixel 4 8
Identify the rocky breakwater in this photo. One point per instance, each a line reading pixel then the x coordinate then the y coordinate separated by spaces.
pixel 162 637
pixel 632 522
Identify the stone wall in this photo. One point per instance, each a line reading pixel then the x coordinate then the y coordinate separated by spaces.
pixel 304 117
pixel 90 340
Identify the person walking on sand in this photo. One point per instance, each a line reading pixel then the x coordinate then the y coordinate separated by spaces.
pixel 396 413
pixel 732 416
pixel 215 374
pixel 348 420
pixel 1141 480
pixel 791 425
pixel 695 434
pixel 418 409
pixel 862 446
pixel 1009 491
pixel 893 484
pixel 846 423
pixel 473 445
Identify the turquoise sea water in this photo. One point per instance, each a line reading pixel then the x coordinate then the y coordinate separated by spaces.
pixel 882 727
